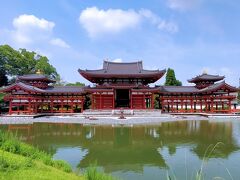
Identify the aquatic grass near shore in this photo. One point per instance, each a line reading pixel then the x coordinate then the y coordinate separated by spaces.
pixel 92 173
pixel 199 175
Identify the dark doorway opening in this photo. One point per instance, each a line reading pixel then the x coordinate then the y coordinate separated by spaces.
pixel 122 98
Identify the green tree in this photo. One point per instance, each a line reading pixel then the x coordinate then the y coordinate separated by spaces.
pixel 75 84
pixel 171 79
pixel 3 78
pixel 20 62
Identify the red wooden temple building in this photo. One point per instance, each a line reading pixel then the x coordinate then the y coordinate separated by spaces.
pixel 119 85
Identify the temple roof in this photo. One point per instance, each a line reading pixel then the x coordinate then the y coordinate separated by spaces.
pixel 193 89
pixel 219 85
pixel 206 77
pixel 121 70
pixel 56 89
pixel 29 77
pixel 65 89
pixel 178 89
pixel 22 86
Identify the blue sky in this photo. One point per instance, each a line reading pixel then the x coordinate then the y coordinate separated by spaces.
pixel 190 36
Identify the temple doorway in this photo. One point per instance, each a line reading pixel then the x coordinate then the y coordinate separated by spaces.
pixel 122 98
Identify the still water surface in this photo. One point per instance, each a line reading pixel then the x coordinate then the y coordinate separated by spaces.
pixel 142 152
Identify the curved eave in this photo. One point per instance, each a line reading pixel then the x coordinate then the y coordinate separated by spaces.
pixel 199 79
pixel 218 87
pixel 21 86
pixel 38 79
pixel 91 76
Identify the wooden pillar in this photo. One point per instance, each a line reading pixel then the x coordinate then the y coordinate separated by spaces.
pixel 201 110
pixel 51 104
pixel 82 103
pixel 100 100
pixel 206 105
pixel 72 105
pixel 93 101
pixel 211 109
pixel 29 106
pixel 10 107
pixel 177 106
pixel 182 105
pixel 229 106
pixel 144 103
pixel 172 101
pixel 152 100
pixel 113 99
pixel 162 102
pixel 61 105
pixel 41 106
pixel 191 104
pixel 131 96
pixel 18 107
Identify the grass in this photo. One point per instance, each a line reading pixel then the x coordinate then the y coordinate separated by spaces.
pixel 13 166
pixel 22 161
pixel 9 143
pixel 93 174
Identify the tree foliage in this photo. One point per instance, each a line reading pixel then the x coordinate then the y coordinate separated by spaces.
pixel 75 84
pixel 3 78
pixel 171 79
pixel 20 62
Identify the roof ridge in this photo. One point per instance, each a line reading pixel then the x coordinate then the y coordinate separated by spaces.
pixel 132 62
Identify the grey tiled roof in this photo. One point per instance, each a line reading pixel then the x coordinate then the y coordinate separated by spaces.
pixel 206 77
pixel 24 86
pixel 193 89
pixel 178 89
pixel 56 89
pixel 35 77
pixel 122 68
pixel 65 89
pixel 217 86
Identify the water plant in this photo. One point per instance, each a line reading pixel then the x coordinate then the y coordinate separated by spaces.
pixel 92 173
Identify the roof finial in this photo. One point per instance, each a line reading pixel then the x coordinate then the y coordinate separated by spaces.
pixel 39 72
pixel 205 71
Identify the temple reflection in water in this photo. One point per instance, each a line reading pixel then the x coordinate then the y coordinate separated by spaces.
pixel 130 148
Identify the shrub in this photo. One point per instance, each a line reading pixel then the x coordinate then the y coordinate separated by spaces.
pixel 7 165
pixel 11 145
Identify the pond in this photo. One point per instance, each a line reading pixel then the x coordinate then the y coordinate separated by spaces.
pixel 178 149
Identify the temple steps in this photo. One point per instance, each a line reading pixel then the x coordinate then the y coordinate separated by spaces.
pixel 126 112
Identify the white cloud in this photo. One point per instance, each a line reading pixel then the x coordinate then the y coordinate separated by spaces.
pixel 31 32
pixel 59 42
pixel 97 21
pixel 30 21
pixel 160 23
pixel 29 28
pixel 182 5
